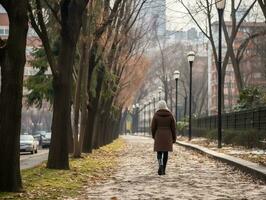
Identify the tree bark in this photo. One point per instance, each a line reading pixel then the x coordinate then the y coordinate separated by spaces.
pixel 91 109
pixel 12 68
pixel 97 103
pixel 87 141
pixel 81 102
pixel 77 101
pixel 263 6
pixel 71 18
pixel 76 116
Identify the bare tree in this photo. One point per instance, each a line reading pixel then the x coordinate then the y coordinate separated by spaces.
pixel 205 7
pixel 263 6
pixel 68 15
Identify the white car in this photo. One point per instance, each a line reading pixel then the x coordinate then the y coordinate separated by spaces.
pixel 28 144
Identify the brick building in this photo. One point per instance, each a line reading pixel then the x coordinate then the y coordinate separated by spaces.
pixel 33 40
pixel 252 66
pixel 32 118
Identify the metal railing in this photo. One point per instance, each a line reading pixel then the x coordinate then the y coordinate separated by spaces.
pixel 255 119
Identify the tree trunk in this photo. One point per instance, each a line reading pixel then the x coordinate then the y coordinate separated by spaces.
pixel 95 132
pixel 95 104
pixel 84 100
pixel 77 150
pixel 71 18
pixel 263 6
pixel 91 109
pixel 12 68
pixel 58 153
pixel 87 141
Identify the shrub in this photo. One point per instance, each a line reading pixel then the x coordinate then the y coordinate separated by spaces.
pixel 181 126
pixel 248 138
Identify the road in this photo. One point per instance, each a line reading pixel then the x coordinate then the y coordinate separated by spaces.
pixel 28 160
pixel 189 176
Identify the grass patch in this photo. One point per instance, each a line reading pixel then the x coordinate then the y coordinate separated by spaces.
pixel 42 183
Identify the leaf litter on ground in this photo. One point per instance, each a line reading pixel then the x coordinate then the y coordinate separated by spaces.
pixel 45 184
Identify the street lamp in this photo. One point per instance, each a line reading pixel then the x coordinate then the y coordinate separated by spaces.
pixel 160 92
pixel 137 118
pixel 190 57
pixel 149 114
pixel 154 102
pixel 220 5
pixel 144 121
pixel 133 118
pixel 176 77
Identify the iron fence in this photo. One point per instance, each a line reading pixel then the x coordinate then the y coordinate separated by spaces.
pixel 255 119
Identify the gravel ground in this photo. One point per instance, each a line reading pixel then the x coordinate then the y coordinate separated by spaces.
pixel 189 175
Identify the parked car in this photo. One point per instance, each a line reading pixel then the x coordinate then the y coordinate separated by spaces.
pixel 46 140
pixel 39 135
pixel 28 144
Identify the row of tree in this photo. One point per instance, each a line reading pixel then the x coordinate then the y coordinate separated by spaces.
pixel 90 47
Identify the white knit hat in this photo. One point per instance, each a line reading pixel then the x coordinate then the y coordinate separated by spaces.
pixel 162 105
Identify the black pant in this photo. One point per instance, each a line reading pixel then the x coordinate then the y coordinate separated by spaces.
pixel 164 155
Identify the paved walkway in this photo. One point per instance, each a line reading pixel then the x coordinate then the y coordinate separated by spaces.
pixel 189 176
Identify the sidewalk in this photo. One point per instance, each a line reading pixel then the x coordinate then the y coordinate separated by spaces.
pixel 189 175
pixel 254 155
pixel 252 161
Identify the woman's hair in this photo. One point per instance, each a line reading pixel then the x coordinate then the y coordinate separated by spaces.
pixel 162 105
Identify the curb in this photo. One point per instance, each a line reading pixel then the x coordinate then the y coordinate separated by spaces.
pixel 254 169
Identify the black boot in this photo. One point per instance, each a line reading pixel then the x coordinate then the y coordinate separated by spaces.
pixel 163 171
pixel 165 159
pixel 161 167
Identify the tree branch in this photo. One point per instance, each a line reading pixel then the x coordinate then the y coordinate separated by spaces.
pixel 54 11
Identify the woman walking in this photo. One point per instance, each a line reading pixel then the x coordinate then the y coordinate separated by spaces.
pixel 164 134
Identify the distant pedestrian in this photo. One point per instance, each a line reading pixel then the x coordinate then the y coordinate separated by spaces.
pixel 164 134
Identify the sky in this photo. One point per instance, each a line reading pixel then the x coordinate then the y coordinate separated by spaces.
pixel 178 18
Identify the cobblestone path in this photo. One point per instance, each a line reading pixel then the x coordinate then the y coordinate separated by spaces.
pixel 189 176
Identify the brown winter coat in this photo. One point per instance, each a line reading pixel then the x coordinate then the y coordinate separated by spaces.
pixel 163 130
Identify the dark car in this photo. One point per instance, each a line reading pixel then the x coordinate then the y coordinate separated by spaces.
pixel 28 144
pixel 39 135
pixel 46 140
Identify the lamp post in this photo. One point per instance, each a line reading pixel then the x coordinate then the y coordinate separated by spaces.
pixel 149 107
pixel 144 121
pixel 133 118
pixel 176 77
pixel 154 102
pixel 190 57
pixel 160 92
pixel 137 118
pixel 220 5
pixel 185 106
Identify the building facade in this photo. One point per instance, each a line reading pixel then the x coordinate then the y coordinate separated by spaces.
pixel 32 118
pixel 251 66
pixel 33 40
